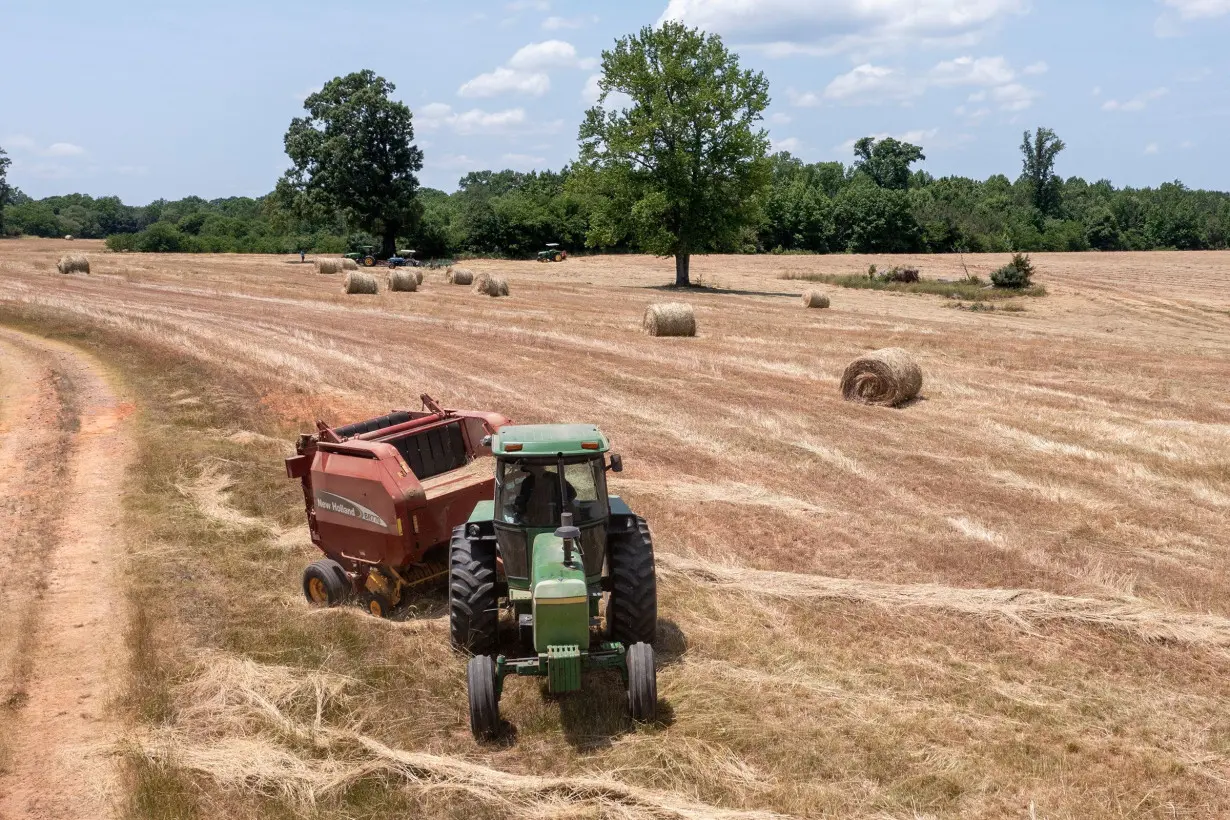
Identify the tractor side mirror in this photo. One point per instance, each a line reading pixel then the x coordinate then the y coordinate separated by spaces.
pixel 617 463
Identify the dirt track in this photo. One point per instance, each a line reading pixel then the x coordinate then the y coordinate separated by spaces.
pixel 64 447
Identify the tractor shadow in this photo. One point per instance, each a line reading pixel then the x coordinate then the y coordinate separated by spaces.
pixel 593 718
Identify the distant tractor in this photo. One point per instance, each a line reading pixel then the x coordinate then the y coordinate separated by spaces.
pixel 368 257
pixel 552 253
pixel 365 256
pixel 547 550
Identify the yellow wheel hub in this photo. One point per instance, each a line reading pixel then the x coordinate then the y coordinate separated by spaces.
pixel 375 608
pixel 318 591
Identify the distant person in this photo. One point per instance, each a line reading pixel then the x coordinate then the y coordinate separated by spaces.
pixel 302 257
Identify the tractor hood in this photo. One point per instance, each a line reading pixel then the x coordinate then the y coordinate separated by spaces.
pixel 561 596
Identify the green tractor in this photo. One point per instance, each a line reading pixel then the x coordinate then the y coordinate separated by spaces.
pixel 548 550
pixel 365 256
pixel 552 253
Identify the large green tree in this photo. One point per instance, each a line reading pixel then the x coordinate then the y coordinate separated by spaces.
pixel 682 167
pixel 886 161
pixel 354 154
pixel 1039 150
pixel 4 186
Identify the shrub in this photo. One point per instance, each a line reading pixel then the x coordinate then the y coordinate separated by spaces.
pixel 896 274
pixel 1016 274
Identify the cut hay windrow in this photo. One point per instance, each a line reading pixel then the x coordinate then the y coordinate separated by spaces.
pixel 73 263
pixel 459 276
pixel 349 264
pixel 1019 607
pixel 236 716
pixel 887 377
pixel 358 282
pixel 669 319
pixel 815 299
pixel 403 281
pixel 490 285
pixel 328 266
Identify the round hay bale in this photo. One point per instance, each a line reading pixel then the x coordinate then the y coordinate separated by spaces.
pixel 459 276
pixel 490 285
pixel 418 274
pixel 328 266
pixel 815 299
pixel 73 263
pixel 887 377
pixel 68 237
pixel 359 282
pixel 403 281
pixel 349 264
pixel 670 319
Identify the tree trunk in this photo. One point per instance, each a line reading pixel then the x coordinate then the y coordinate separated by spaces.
pixel 683 262
pixel 388 244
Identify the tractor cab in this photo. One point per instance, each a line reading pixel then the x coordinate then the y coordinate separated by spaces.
pixel 561 546
pixel 364 255
pixel 552 253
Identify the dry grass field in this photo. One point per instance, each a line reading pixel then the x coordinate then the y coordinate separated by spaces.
pixel 1009 598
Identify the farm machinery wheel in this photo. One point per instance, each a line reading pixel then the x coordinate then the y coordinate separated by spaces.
pixel 484 700
pixel 378 604
pixel 325 583
pixel 369 261
pixel 642 683
pixel 632 609
pixel 473 611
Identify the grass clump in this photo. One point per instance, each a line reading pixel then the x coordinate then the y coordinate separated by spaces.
pixel 970 290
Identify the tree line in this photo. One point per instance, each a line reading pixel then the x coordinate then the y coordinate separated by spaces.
pixel 683 168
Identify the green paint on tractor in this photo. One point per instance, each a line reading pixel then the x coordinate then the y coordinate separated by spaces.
pixel 549 549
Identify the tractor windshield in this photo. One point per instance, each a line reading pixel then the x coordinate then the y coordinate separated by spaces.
pixel 529 493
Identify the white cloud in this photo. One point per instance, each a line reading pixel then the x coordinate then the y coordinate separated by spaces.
pixel 1199 9
pixel 1137 103
pixel 785 27
pixel 506 81
pixel 591 92
pixel 474 121
pixel 63 149
pixel 558 23
pixel 869 84
pixel 132 170
pixel 523 161
pixel 549 54
pixel 780 118
pixel 1014 97
pixel 457 162
pixel 1039 67
pixel 788 144
pixel 1187 145
pixel 970 71
pixel 1151 148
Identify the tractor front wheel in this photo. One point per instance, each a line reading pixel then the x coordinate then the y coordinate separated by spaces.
pixel 473 611
pixel 632 609
pixel 369 261
pixel 642 683
pixel 484 702
pixel 325 583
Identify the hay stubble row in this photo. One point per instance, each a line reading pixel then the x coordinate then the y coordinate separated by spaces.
pixel 1076 450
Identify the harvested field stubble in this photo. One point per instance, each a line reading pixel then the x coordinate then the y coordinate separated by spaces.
pixel 1014 593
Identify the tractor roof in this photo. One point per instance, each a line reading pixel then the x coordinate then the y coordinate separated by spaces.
pixel 549 440
pixel 552 244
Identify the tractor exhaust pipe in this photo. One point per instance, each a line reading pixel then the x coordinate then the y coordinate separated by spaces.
pixel 569 535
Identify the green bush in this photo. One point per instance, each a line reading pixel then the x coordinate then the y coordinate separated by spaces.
pixel 1017 274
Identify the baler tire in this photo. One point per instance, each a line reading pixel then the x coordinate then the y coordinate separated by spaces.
pixel 473 614
pixel 325 583
pixel 484 702
pixel 642 683
pixel 377 604
pixel 632 609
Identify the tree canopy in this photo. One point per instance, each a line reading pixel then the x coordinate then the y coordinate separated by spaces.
pixel 1039 150
pixel 886 161
pixel 681 168
pixel 354 154
pixel 4 186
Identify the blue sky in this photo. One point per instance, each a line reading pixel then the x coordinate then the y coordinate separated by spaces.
pixel 155 99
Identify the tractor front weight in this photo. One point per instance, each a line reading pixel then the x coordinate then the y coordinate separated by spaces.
pixel 562 666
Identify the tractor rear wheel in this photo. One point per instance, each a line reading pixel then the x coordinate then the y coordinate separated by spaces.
pixel 369 261
pixel 642 683
pixel 473 613
pixel 325 583
pixel 632 609
pixel 484 702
